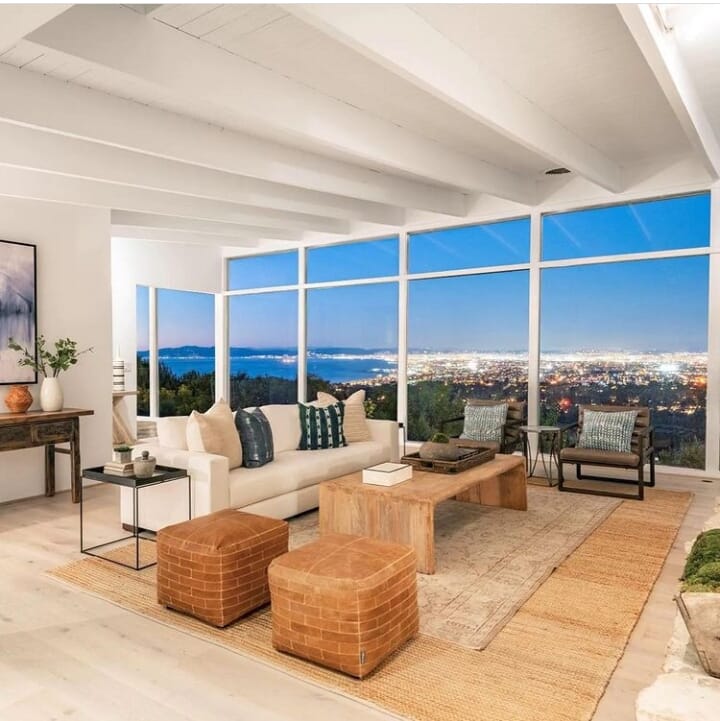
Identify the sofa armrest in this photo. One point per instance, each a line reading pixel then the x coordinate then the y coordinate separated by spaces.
pixel 167 502
pixel 386 432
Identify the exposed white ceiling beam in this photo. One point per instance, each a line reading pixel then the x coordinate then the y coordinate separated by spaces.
pixel 202 227
pixel 16 21
pixel 26 97
pixel 262 100
pixel 30 148
pixel 175 236
pixel 20 183
pixel 400 40
pixel 663 57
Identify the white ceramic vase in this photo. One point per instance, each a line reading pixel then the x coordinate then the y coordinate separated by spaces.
pixel 51 395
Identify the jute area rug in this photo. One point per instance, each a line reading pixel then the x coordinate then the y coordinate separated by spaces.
pixel 550 662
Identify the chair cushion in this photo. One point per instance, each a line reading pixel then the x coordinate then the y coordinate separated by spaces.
pixel 256 437
pixel 607 431
pixel 321 427
pixel 215 432
pixel 598 457
pixel 484 423
pixel 355 425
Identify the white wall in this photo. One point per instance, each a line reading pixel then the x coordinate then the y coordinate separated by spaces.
pixel 73 300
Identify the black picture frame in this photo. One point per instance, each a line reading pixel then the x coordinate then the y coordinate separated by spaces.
pixel 18 309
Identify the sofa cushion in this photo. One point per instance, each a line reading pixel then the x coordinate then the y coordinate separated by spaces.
pixel 285 424
pixel 172 432
pixel 256 437
pixel 355 425
pixel 214 432
pixel 292 470
pixel 321 427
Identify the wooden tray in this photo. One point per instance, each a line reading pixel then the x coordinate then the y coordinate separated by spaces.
pixel 473 457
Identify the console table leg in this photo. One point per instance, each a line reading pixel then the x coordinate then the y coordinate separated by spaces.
pixel 76 478
pixel 50 469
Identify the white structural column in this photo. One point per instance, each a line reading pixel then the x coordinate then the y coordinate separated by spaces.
pixel 185 66
pixel 396 37
pixel 712 401
pixel 663 56
pixel 534 322
pixel 16 20
pixel 154 383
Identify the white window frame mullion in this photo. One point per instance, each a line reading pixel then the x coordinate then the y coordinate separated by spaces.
pixel 533 389
pixel 402 347
pixel 712 400
pixel 301 290
pixel 153 355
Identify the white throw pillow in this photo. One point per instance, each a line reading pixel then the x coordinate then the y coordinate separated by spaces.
pixel 172 432
pixel 285 425
pixel 355 425
pixel 215 432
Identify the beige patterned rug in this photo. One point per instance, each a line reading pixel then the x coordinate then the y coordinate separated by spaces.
pixel 551 662
pixel 491 560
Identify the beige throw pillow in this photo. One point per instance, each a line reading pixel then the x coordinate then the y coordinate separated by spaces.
pixel 215 432
pixel 355 425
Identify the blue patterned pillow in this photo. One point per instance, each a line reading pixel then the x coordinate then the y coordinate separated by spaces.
pixel 607 431
pixel 484 423
pixel 321 427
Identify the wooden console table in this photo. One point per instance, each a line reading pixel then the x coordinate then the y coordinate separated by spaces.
pixel 42 428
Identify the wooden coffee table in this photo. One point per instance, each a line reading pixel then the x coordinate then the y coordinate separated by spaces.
pixel 406 513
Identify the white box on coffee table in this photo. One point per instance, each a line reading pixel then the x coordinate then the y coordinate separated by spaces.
pixel 387 474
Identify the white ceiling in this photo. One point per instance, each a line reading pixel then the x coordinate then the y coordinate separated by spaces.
pixel 290 112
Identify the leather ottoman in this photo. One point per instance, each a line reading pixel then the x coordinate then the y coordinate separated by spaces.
pixel 215 567
pixel 345 602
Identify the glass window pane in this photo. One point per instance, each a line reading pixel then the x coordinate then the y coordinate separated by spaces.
pixel 263 271
pixel 369 259
pixel 186 348
pixel 467 338
pixel 630 333
pixel 653 225
pixel 472 246
pixel 142 336
pixel 263 349
pixel 352 344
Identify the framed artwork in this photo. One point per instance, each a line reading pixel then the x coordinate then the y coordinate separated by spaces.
pixel 18 308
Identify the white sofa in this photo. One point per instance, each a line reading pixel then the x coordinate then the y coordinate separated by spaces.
pixel 286 486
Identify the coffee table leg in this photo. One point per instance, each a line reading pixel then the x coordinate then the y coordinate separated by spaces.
pixel 506 490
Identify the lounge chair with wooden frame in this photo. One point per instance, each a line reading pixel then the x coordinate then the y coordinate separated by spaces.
pixel 642 452
pixel 511 436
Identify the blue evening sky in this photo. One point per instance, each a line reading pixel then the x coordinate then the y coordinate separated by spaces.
pixel 648 305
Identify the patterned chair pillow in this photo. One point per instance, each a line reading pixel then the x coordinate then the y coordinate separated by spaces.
pixel 607 431
pixel 485 423
pixel 321 427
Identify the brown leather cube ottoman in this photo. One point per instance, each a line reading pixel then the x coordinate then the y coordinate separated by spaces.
pixel 345 602
pixel 215 567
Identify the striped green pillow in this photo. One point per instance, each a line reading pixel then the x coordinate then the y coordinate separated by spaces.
pixel 321 427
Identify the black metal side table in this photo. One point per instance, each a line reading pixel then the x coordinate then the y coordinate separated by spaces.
pixel 554 434
pixel 162 474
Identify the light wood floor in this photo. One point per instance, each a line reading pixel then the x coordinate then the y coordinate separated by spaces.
pixel 67 655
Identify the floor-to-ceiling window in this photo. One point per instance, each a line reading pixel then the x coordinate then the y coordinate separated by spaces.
pixel 186 351
pixel 352 330
pixel 263 329
pixel 467 333
pixel 629 331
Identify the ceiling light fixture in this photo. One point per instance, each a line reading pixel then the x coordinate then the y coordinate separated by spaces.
pixel 557 171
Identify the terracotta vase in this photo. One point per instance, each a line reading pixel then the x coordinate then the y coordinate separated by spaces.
pixel 18 400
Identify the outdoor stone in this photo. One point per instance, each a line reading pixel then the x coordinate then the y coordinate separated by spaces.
pixel 680 696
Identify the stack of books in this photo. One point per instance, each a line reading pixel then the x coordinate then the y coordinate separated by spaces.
pixel 387 474
pixel 113 468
